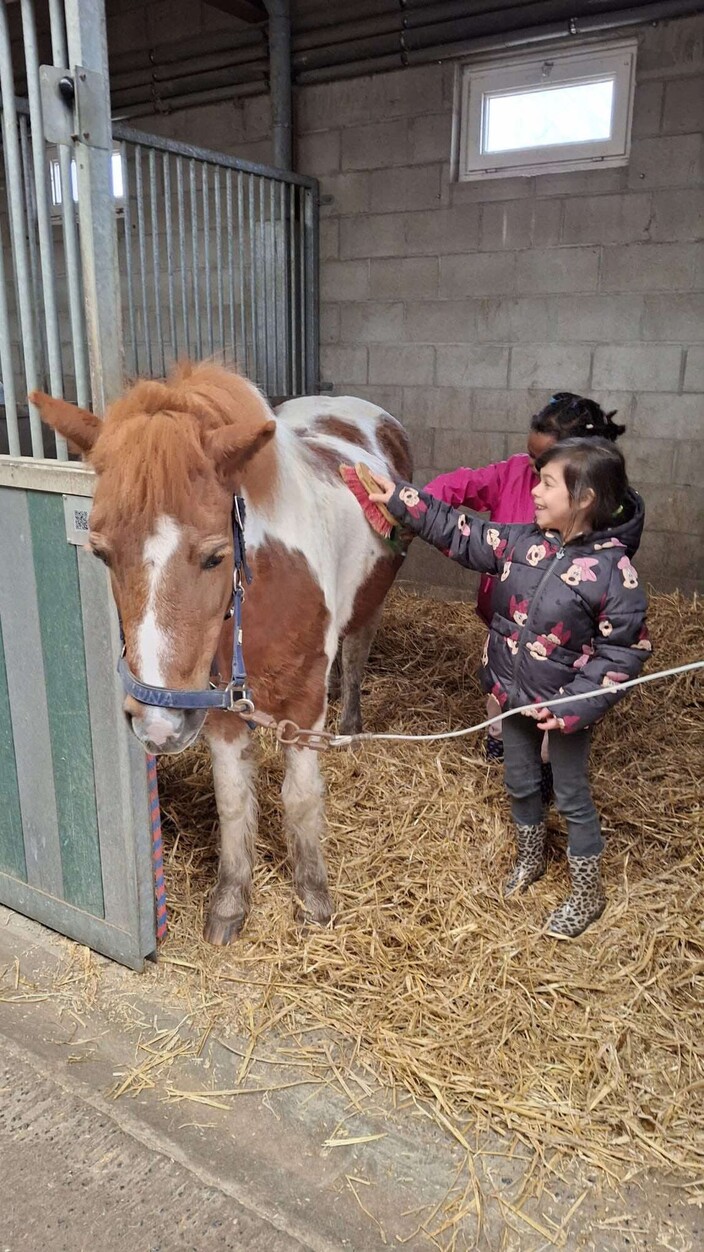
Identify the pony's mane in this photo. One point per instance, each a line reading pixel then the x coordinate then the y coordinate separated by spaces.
pixel 152 437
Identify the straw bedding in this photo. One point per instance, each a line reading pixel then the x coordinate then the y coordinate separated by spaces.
pixel 428 977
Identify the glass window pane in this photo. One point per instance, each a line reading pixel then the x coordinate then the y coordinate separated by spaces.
pixel 553 115
pixel 55 184
pixel 118 183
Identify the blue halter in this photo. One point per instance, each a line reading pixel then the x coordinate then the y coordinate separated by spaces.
pixel 235 697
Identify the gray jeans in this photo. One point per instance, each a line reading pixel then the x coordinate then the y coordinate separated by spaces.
pixel 569 758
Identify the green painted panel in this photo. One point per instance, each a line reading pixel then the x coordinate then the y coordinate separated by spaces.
pixel 11 841
pixel 67 696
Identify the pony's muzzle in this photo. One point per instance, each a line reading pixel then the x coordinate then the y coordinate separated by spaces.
pixel 163 731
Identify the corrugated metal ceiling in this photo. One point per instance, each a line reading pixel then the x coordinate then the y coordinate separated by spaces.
pixel 345 38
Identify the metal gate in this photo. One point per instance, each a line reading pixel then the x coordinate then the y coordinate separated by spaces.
pixel 193 254
pixel 218 257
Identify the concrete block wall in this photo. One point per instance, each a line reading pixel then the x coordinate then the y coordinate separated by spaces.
pixel 461 306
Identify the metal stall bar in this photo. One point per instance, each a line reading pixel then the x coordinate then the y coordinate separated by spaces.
pixel 41 191
pixel 310 293
pixel 18 228
pixel 205 187
pixel 30 208
pixel 253 371
pixel 194 255
pixel 286 302
pixel 293 268
pixel 263 270
pixel 180 200
pixel 6 364
pixel 156 267
pixel 166 171
pixel 87 48
pixel 59 53
pixel 240 262
pixel 142 243
pixel 274 385
pixel 302 270
pixel 230 232
pixel 127 235
pixel 218 258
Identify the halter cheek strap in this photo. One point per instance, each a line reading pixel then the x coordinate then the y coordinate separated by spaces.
pixel 235 697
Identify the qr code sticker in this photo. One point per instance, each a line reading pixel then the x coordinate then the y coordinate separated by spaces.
pixel 77 518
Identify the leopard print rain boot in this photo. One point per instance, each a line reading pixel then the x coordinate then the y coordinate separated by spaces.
pixel 586 902
pixel 531 860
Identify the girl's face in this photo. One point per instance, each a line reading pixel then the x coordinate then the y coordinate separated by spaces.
pixel 538 444
pixel 554 510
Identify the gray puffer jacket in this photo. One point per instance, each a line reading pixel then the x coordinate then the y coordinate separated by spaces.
pixel 567 618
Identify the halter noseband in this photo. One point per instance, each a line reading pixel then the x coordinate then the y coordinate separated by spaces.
pixel 235 697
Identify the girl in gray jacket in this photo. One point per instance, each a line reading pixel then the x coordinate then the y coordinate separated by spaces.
pixel 568 617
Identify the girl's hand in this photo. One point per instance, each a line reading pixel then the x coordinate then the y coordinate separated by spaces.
pixel 386 489
pixel 548 721
pixel 545 719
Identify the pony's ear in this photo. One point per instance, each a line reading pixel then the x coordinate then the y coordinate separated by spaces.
pixel 80 427
pixel 230 447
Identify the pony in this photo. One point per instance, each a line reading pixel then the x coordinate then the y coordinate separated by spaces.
pixel 169 458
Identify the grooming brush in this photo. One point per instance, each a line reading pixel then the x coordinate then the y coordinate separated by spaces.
pixel 360 482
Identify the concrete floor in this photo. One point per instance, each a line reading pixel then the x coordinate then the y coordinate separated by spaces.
pixel 151 1173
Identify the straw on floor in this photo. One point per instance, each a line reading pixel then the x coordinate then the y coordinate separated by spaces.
pixel 429 978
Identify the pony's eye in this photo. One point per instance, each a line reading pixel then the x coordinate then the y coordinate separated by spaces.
pixel 215 558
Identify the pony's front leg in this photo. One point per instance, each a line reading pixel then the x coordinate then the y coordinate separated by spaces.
pixel 303 795
pixel 234 776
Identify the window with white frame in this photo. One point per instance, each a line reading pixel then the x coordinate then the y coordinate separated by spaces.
pixel 562 110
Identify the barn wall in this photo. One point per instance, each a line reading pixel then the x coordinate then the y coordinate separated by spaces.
pixel 462 306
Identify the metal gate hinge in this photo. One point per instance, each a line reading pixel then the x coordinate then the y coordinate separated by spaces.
pixel 73 107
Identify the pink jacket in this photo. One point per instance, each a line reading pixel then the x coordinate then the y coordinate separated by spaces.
pixel 501 490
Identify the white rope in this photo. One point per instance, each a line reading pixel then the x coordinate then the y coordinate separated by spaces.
pixel 344 741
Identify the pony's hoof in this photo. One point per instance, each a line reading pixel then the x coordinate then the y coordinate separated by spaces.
pixel 223 930
pixel 313 911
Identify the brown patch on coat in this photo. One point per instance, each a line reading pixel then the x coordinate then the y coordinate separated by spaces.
pixel 327 460
pixel 393 441
pixel 284 622
pixel 341 428
pixel 371 593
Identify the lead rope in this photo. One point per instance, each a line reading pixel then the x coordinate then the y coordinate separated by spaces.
pixel 157 849
pixel 290 734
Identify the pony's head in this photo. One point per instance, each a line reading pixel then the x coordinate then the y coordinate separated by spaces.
pixel 169 457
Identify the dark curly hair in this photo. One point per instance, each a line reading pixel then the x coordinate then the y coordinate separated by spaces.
pixel 567 416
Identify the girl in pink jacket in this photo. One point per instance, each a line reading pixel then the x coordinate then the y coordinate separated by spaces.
pixel 504 491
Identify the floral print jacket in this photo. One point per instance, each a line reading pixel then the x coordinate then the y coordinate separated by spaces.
pixel 567 619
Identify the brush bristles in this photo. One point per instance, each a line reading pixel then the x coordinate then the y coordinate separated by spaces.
pixel 373 514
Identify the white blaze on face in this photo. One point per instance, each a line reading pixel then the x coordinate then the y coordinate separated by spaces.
pixel 153 640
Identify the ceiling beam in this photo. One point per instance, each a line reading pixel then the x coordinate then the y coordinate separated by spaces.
pixel 245 10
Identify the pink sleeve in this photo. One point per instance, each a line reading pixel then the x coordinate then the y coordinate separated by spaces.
pixel 475 488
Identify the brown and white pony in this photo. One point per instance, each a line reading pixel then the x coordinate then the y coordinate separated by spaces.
pixel 169 457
